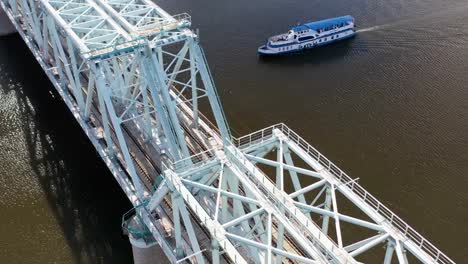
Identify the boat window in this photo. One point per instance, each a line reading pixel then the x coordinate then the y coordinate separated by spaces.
pixel 306 38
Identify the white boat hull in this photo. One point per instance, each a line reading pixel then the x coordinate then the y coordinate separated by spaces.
pixel 296 46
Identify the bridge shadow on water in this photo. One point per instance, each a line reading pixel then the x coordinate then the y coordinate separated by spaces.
pixel 81 193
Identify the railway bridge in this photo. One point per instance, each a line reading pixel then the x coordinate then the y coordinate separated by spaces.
pixel 137 81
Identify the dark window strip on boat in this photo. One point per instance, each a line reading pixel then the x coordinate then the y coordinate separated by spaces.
pixel 306 38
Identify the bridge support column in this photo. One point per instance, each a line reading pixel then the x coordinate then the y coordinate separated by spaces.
pixel 6 28
pixel 147 253
pixel 144 247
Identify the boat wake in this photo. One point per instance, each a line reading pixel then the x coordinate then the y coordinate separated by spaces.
pixel 368 29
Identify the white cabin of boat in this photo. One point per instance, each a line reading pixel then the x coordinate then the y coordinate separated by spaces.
pixel 310 35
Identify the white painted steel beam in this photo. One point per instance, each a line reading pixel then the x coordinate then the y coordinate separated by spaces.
pixel 342 217
pixel 284 166
pixel 137 98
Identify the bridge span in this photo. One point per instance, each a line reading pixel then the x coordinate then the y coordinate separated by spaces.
pixel 137 81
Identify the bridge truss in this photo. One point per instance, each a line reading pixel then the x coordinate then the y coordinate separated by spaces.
pixel 135 78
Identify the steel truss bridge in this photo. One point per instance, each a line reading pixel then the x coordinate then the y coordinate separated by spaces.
pixel 135 79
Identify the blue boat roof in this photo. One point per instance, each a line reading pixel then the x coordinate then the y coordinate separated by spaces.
pixel 323 23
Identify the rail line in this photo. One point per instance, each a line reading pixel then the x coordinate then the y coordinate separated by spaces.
pixel 109 58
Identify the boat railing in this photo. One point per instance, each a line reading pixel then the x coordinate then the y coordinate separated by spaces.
pixel 279 37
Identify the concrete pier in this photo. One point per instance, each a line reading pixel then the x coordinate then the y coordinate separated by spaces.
pixel 144 247
pixel 147 254
pixel 6 28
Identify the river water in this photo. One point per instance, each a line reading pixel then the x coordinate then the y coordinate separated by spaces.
pixel 390 107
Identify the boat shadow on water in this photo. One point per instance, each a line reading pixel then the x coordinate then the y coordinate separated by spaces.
pixel 81 193
pixel 325 54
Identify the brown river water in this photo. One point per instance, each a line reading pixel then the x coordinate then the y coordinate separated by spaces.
pixel 389 107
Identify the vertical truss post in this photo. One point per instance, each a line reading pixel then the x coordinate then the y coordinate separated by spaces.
pixel 45 37
pixel 280 169
pixel 105 93
pixel 280 241
pixel 215 251
pixel 160 78
pixel 105 117
pixel 269 239
pixel 89 95
pixel 193 83
pixel 29 11
pixel 401 254
pixel 76 76
pixel 190 231
pixel 327 207
pixel 54 40
pixel 337 219
pixel 160 56
pixel 177 224
pixel 180 57
pixel 257 219
pixel 211 91
pixel 294 178
pixel 147 117
pixel 280 185
pixel 218 195
pixel 155 85
pixel 389 252
pixel 224 199
pixel 14 6
pixel 238 208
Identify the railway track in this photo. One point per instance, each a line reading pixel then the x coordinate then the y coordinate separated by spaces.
pixel 147 168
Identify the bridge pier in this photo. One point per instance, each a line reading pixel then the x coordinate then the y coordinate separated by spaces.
pixel 6 27
pixel 145 249
pixel 144 253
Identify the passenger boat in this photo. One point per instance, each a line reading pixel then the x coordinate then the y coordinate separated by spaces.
pixel 310 35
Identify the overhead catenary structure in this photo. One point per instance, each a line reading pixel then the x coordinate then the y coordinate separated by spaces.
pixel 135 79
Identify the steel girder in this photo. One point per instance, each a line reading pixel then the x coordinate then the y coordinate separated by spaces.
pixel 133 76
pixel 129 83
pixel 235 211
pixel 326 186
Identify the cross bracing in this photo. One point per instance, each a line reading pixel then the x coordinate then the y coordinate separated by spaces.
pixel 135 78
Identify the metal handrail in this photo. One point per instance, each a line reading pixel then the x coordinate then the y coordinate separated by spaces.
pixel 291 216
pixel 144 233
pixel 194 160
pixel 183 20
pixel 391 218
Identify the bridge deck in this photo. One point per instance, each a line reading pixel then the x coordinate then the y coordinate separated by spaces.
pixel 107 61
